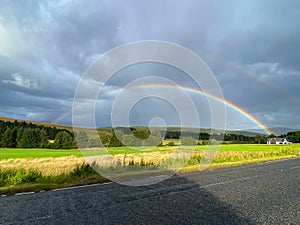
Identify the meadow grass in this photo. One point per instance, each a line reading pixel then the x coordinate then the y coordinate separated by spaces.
pixel 21 180
pixel 48 168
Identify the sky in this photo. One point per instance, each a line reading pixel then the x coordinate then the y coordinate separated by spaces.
pixel 252 48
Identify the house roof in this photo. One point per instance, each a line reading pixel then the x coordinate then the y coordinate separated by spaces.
pixel 276 139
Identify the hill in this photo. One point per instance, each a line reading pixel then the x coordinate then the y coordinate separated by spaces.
pixel 105 130
pixel 276 130
pixel 191 131
pixel 60 126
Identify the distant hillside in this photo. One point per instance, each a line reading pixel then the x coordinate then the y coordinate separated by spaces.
pixel 249 132
pixel 276 130
pixel 70 128
pixel 58 126
pixel 191 130
pixel 244 132
pixel 215 131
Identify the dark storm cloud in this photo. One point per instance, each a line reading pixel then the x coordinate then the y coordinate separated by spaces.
pixel 267 32
pixel 251 46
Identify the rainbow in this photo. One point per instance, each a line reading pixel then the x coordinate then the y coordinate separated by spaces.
pixel 185 88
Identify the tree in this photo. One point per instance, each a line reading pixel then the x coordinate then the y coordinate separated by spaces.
pixel 52 132
pixel 188 141
pixel 94 142
pixel 171 143
pixel 114 141
pixel 272 136
pixel 27 135
pixel 130 140
pixel 152 141
pixel 141 133
pixel 19 136
pixel 64 140
pixel 30 138
pixel 293 136
pixel 44 143
pixel 9 138
pixel 82 140
pixel 105 139
pixel 260 139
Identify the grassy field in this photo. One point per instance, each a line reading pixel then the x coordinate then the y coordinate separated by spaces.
pixel 226 153
pixel 21 180
pixel 52 162
pixel 14 153
pixel 55 168
pixel 252 147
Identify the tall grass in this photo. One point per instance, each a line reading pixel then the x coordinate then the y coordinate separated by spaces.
pixel 22 176
pixel 46 166
pixel 19 176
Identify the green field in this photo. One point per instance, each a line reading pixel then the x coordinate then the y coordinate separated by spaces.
pixel 253 147
pixel 13 153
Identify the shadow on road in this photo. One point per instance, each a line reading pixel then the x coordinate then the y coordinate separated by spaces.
pixel 174 201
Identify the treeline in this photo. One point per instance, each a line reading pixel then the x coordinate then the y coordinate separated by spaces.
pixel 144 137
pixel 227 137
pixel 27 135
pixel 293 136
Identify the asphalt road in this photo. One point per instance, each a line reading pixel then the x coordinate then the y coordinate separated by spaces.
pixel 267 193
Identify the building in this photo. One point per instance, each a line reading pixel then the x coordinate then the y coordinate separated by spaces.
pixel 277 141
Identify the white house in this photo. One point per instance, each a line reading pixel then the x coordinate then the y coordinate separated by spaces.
pixel 278 141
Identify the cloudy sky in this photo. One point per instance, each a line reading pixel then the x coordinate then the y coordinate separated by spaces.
pixel 252 47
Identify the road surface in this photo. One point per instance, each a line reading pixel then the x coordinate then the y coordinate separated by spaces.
pixel 266 193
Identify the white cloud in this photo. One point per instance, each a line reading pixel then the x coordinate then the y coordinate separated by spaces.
pixel 265 68
pixel 38 116
pixel 21 81
pixel 92 58
pixel 273 72
pixel 4 41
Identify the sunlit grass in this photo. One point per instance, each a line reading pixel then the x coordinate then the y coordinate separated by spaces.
pixel 252 147
pixel 55 162
pixel 22 180
pixel 46 166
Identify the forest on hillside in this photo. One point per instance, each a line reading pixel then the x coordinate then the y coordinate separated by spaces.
pixel 27 135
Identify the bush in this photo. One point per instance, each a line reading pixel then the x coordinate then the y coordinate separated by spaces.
pixel 188 141
pixel 171 143
pixel 20 176
pixel 83 170
pixel 194 160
